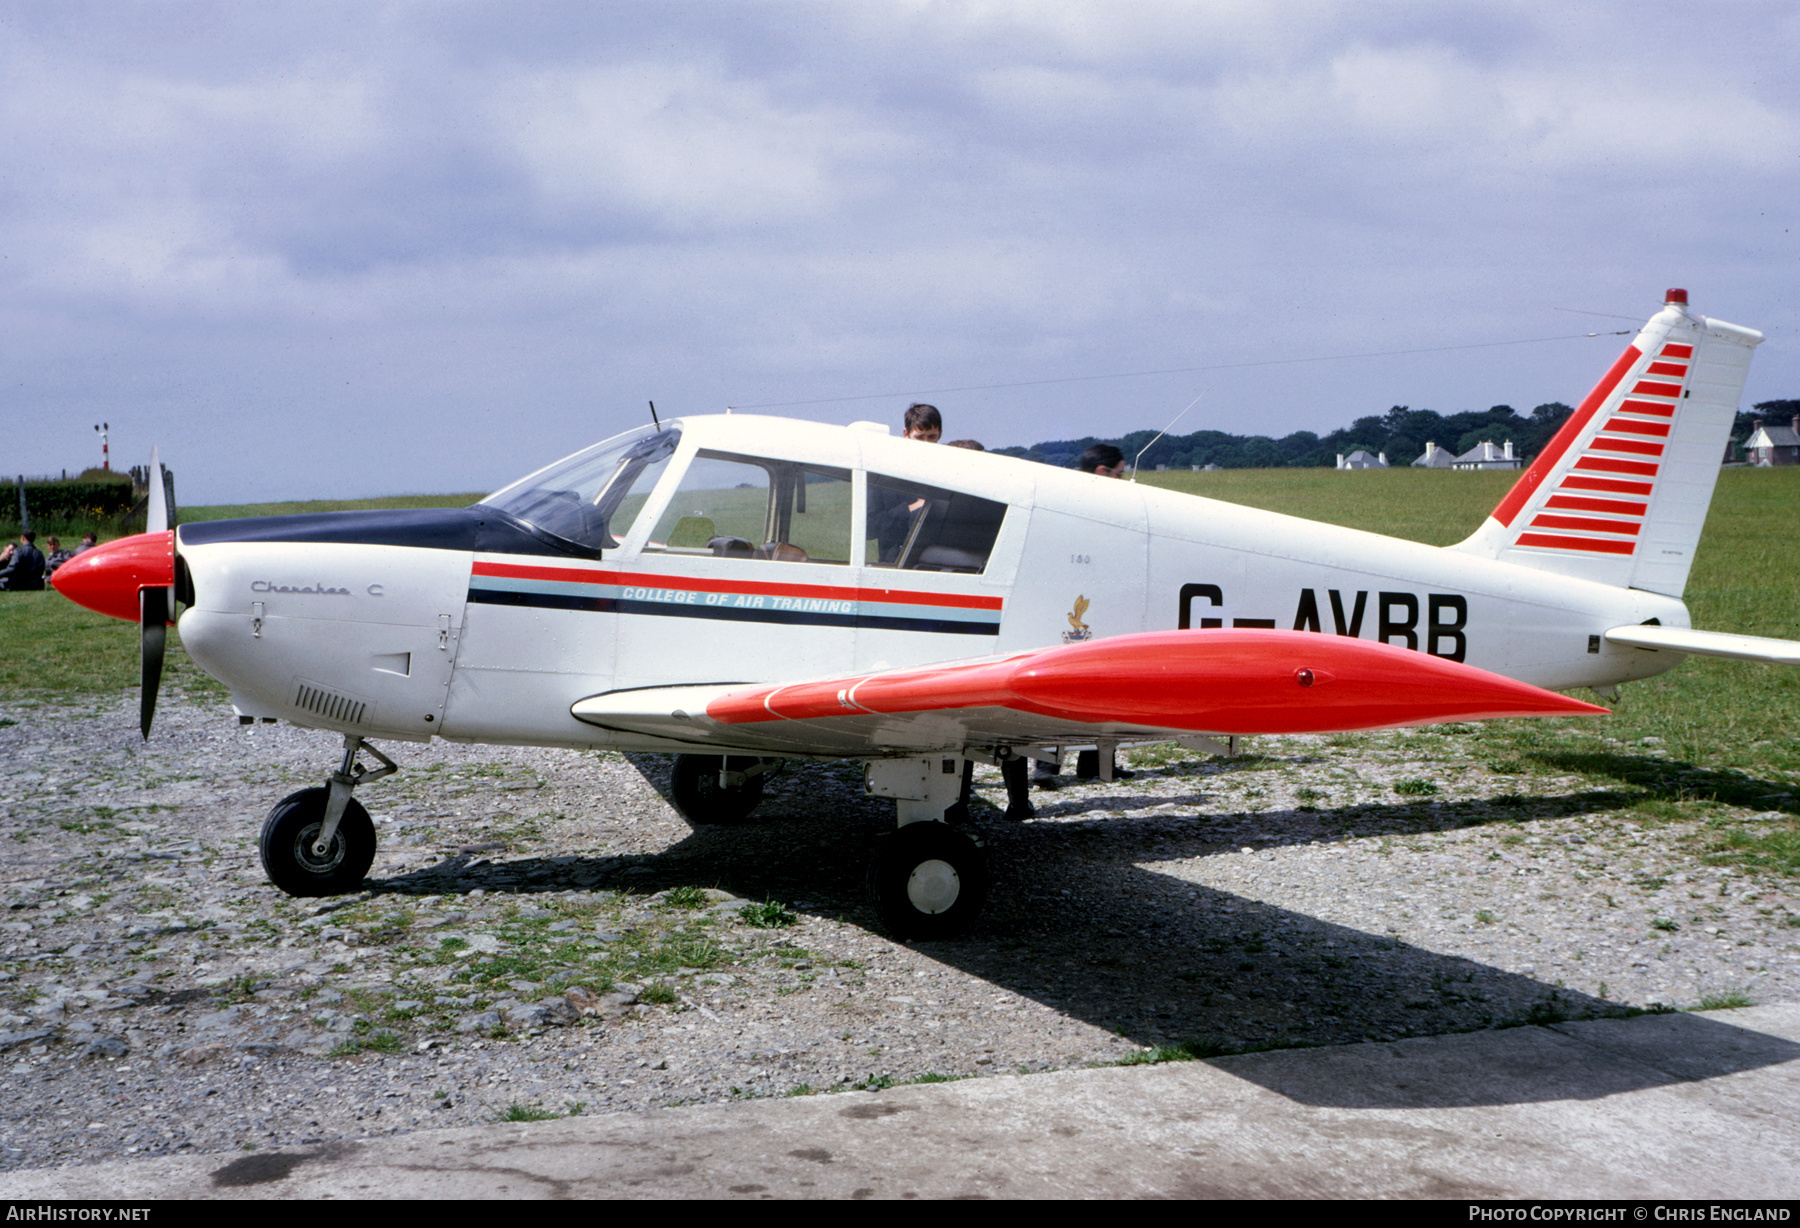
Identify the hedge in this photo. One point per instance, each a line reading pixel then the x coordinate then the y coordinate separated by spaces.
pixel 67 500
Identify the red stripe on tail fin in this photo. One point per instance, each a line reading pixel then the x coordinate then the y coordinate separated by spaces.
pixel 1546 462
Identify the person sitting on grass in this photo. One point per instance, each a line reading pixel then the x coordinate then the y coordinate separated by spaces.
pixel 56 557
pixel 24 570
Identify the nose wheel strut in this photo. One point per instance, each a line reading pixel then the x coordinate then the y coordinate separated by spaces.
pixel 320 841
pixel 346 778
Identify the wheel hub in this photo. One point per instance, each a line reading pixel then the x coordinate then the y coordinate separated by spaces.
pixel 304 855
pixel 933 886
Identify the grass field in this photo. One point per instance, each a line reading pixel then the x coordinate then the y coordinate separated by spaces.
pixel 1709 733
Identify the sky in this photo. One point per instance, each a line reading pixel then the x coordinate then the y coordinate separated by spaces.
pixel 329 250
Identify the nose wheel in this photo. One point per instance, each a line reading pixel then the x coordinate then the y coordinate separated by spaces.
pixel 321 841
pixel 290 839
pixel 929 881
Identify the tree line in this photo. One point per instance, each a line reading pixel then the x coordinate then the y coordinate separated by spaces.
pixel 1401 433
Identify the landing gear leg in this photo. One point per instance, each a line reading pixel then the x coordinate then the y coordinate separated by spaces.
pixel 321 841
pixel 928 880
pixel 713 789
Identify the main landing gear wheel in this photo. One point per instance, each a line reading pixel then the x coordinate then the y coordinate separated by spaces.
pixel 702 800
pixel 287 846
pixel 929 881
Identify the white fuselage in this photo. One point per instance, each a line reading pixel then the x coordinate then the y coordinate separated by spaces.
pixel 396 638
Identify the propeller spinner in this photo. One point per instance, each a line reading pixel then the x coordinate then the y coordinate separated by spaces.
pixel 133 579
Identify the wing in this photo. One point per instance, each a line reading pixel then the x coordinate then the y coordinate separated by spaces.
pixel 1160 684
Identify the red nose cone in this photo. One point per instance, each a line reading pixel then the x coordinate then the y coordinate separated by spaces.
pixel 107 578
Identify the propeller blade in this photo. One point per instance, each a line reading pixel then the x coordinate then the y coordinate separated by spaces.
pixel 156 513
pixel 154 606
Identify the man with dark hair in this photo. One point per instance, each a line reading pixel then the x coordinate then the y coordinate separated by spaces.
pixel 890 512
pixel 24 570
pixel 923 423
pixel 973 445
pixel 1102 459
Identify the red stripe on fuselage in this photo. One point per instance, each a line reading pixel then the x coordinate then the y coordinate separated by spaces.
pixel 691 584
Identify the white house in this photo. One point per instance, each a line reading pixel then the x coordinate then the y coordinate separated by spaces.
pixel 1489 455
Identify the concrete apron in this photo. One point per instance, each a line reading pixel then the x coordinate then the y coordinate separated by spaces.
pixel 1670 1106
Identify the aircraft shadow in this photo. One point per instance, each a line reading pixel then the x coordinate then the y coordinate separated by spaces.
pixel 1076 923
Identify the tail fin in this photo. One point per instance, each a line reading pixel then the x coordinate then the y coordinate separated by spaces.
pixel 1620 494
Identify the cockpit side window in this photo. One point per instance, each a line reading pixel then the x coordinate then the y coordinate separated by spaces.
pixel 593 497
pixel 750 507
pixel 925 528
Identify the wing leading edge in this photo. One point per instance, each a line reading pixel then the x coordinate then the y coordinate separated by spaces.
pixel 1160 684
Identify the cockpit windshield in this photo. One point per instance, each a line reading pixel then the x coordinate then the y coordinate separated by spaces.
pixel 593 497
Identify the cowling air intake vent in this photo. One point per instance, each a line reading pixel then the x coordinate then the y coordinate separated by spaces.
pixel 320 701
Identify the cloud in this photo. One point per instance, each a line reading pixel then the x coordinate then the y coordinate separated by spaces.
pixel 684 145
pixel 350 216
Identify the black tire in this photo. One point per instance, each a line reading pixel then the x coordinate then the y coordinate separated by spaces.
pixel 287 839
pixel 694 787
pixel 929 881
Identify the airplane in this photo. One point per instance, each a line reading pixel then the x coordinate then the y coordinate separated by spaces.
pixel 739 590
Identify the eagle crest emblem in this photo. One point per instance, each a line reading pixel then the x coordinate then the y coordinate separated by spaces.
pixel 1078 630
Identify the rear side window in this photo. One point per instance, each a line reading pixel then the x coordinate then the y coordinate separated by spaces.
pixel 916 527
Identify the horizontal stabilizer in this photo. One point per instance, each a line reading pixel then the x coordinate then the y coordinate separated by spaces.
pixel 1708 644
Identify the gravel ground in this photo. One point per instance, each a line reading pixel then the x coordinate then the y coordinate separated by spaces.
pixel 543 934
